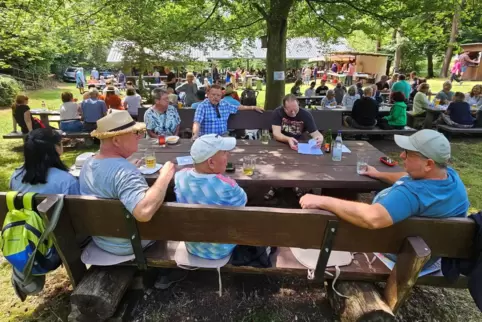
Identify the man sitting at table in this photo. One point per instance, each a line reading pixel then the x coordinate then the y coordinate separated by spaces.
pixel 109 175
pixel 162 118
pixel 207 185
pixel 289 124
pixel 383 85
pixel 92 109
pixel 428 188
pixel 212 115
pixel 322 89
pixel 364 112
pixel 445 95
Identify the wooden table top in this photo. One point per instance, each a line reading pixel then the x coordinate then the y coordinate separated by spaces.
pixel 279 166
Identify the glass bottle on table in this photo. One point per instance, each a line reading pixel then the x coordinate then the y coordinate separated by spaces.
pixel 328 142
pixel 265 137
pixel 337 148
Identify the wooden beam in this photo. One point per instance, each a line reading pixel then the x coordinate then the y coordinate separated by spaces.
pixel 412 257
pixel 363 302
pixel 65 241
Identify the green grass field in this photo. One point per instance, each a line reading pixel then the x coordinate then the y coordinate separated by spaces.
pixel 467 155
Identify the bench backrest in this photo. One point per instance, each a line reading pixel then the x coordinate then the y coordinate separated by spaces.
pixel 260 226
pixel 324 120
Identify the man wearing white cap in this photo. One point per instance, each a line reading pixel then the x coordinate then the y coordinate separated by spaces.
pixel 206 185
pixel 109 175
pixel 428 188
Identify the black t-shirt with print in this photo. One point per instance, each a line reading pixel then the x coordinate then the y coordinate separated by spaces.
pixel 381 86
pixel 321 90
pixel 294 126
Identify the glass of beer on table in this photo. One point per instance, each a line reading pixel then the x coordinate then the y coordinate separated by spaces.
pixel 249 164
pixel 150 159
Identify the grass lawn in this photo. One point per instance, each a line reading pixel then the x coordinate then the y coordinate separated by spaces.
pixel 467 157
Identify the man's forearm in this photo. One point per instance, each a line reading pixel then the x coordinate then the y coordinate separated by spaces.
pixel 195 129
pixel 152 200
pixel 245 108
pixel 389 177
pixel 281 138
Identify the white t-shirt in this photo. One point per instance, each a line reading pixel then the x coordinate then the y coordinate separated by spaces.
pixel 156 74
pixel 69 111
pixel 133 103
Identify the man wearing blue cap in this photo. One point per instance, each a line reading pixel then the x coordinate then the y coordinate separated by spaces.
pixel 428 188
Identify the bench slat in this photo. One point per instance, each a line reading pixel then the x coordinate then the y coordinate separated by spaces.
pixel 161 254
pixel 266 226
pixel 451 129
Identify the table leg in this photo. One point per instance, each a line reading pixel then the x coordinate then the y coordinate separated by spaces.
pixel 429 118
pixel 45 120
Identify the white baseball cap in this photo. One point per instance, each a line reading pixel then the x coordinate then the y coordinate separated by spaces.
pixel 208 145
pixel 429 143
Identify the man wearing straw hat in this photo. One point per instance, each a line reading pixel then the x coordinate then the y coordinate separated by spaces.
pixel 109 175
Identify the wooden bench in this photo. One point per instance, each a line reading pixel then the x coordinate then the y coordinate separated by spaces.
pixel 449 130
pixel 97 291
pixel 74 135
pixel 377 131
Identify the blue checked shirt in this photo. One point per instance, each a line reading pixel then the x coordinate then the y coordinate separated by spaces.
pixel 207 117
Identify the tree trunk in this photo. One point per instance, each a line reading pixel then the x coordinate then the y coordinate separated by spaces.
pixel 398 52
pixel 277 25
pixel 363 303
pixel 430 73
pixel 378 45
pixel 453 38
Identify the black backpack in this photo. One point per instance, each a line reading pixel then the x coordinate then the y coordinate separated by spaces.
pixel 248 97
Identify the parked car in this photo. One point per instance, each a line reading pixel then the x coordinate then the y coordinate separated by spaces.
pixel 107 73
pixel 69 74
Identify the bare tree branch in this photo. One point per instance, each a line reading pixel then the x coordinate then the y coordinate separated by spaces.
pixel 244 26
pixel 209 16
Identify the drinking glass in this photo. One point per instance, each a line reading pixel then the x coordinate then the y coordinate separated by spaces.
pixel 249 164
pixel 361 163
pixel 150 159
pixel 162 141
pixel 265 137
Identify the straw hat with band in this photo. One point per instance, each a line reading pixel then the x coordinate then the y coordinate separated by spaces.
pixel 115 124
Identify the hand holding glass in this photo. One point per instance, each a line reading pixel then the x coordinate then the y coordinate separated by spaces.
pixel 361 163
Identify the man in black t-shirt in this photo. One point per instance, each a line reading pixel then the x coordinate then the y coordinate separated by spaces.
pixel 382 85
pixel 322 89
pixel 290 122
pixel 171 78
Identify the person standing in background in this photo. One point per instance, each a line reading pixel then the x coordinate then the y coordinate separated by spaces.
pixel 171 78
pixel 94 73
pixel 157 76
pixel 80 80
pixel 307 75
pixel 455 72
pixel 465 62
pixel 350 73
pixel 215 73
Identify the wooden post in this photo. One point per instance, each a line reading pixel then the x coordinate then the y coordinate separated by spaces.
pixel 65 241
pixel 413 255
pixel 363 302
pixel 98 295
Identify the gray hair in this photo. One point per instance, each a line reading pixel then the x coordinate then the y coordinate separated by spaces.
pixel 93 92
pixel 157 93
pixel 330 92
pixel 352 90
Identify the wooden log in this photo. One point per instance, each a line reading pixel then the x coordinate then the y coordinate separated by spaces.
pixel 100 291
pixel 363 303
pixel 410 261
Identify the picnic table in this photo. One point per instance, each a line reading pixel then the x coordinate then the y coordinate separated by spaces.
pixel 44 115
pixel 279 166
pixel 383 110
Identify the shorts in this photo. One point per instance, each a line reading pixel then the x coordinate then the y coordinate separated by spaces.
pixel 80 85
pixel 464 69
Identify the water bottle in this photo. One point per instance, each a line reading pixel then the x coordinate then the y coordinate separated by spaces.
pixel 44 106
pixel 337 148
